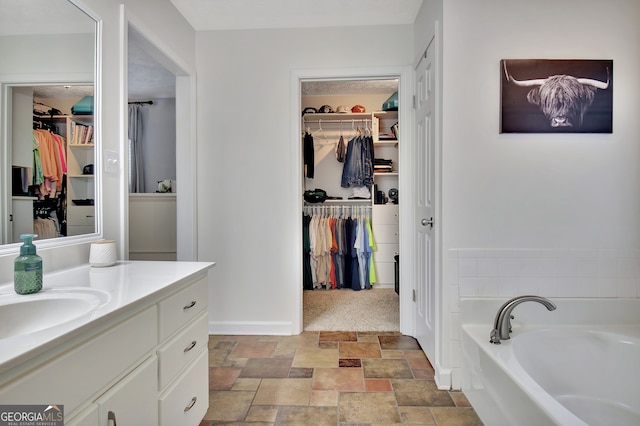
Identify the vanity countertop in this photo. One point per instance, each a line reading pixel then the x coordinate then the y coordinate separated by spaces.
pixel 124 287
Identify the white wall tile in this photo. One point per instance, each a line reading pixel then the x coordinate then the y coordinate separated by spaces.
pixel 467 267
pixel 507 287
pixel 509 267
pixel 528 285
pixel 550 272
pixel 607 287
pixel 468 287
pixel 488 287
pixel 627 287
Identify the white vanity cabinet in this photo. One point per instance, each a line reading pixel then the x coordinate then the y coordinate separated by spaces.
pixel 132 401
pixel 183 373
pixel 145 364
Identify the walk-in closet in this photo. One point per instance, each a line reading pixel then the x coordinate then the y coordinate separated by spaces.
pixel 351 200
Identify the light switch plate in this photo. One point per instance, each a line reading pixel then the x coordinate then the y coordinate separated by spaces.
pixel 111 162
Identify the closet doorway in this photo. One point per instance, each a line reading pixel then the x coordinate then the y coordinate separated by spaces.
pixel 163 92
pixel 336 115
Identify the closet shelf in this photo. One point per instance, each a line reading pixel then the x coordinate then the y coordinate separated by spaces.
pixel 343 201
pixel 388 142
pixel 84 145
pixel 394 174
pixel 80 176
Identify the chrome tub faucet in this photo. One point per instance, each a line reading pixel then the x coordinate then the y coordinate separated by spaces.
pixel 502 323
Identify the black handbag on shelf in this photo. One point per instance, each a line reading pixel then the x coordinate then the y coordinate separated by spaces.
pixel 315 195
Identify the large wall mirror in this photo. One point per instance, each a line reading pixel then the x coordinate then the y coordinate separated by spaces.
pixel 48 119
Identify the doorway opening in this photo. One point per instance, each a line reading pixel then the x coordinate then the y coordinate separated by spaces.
pixel 156 74
pixel 360 249
pixel 151 153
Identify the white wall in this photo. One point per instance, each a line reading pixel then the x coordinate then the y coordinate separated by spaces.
pixel 247 201
pixel 552 214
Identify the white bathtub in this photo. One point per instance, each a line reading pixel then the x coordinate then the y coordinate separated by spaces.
pixel 578 365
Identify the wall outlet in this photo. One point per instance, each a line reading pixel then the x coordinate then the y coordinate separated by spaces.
pixel 111 162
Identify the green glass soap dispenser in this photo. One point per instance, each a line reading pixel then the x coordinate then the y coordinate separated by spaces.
pixel 27 267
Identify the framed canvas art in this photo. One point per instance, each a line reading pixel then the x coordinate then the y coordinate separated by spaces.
pixel 556 96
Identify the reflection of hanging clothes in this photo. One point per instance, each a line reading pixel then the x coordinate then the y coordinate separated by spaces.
pixel 309 161
pixel 52 162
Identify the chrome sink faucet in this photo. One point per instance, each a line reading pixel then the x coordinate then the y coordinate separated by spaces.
pixel 502 323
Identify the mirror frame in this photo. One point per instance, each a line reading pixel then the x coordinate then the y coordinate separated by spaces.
pixel 44 80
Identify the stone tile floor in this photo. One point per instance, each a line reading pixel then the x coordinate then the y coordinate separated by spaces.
pixel 327 378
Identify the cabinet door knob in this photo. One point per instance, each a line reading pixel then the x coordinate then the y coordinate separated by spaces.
pixel 190 305
pixel 111 416
pixel 191 346
pixel 191 404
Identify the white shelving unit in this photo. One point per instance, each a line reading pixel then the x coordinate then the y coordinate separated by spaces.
pixel 80 186
pixel 326 130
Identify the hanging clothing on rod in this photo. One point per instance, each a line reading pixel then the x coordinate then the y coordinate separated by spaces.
pixel 309 156
pixel 358 162
pixel 338 244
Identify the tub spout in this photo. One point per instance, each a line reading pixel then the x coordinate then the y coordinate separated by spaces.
pixel 502 323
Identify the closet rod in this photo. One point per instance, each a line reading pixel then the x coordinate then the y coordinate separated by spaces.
pixel 141 102
pixel 339 121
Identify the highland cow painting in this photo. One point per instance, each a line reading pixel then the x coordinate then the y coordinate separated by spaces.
pixel 556 96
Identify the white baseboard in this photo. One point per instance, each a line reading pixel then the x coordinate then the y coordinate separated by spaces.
pixel 273 328
pixel 442 377
pixel 384 285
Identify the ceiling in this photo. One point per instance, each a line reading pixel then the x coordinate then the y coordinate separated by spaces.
pixel 205 15
pixel 348 87
pixel 147 78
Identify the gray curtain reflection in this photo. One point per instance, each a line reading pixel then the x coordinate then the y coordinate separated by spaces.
pixel 136 163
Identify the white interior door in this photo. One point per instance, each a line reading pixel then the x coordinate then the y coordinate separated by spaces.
pixel 424 296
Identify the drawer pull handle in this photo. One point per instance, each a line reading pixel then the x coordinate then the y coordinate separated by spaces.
pixel 111 416
pixel 191 404
pixel 191 346
pixel 190 305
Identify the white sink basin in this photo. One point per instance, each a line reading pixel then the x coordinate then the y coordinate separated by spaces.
pixel 26 314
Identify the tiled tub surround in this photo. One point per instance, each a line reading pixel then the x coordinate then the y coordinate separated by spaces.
pixel 547 272
pixel 576 365
pixel 554 273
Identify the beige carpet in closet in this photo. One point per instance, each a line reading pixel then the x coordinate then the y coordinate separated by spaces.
pixel 348 310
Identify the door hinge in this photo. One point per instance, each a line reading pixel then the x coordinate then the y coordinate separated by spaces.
pixel 413 296
pixel 415 102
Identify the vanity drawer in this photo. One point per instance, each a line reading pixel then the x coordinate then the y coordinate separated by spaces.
pixel 179 351
pixel 179 309
pixel 89 367
pixel 186 401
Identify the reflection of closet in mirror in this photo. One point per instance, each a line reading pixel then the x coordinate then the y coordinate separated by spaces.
pixel 152 152
pixel 52 157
